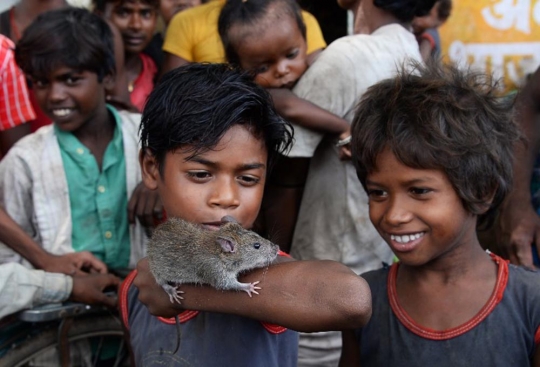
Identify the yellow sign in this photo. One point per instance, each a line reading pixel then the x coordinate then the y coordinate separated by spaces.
pixel 497 36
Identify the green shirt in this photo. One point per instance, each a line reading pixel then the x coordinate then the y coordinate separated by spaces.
pixel 98 200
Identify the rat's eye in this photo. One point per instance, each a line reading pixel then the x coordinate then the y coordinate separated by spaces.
pixel 257 245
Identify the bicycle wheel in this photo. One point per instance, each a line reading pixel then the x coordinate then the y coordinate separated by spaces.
pixel 87 337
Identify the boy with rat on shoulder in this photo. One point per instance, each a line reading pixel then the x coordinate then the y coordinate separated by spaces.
pixel 433 149
pixel 209 135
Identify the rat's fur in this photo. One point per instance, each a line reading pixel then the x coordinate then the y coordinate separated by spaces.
pixel 180 252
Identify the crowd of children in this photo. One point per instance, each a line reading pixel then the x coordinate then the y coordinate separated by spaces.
pixel 369 161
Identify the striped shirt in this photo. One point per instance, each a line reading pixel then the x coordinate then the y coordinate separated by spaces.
pixel 15 107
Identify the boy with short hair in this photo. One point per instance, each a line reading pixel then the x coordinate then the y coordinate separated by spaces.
pixel 68 184
pixel 209 135
pixel 433 149
pixel 136 21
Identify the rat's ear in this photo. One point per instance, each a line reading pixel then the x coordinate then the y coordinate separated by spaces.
pixel 226 244
pixel 149 169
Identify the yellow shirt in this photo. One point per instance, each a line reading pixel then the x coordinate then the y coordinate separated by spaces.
pixel 193 36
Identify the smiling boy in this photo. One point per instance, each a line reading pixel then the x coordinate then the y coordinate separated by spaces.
pixel 136 21
pixel 209 135
pixel 68 184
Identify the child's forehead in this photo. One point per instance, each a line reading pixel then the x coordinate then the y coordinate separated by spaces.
pixel 57 69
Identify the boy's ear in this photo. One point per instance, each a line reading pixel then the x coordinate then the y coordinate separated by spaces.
pixel 149 169
pixel 108 82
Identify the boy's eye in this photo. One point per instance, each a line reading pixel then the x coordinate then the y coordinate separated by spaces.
pixel 121 12
pixel 72 80
pixel 147 14
pixel 199 175
pixel 293 54
pixel 419 191
pixel 261 69
pixel 39 83
pixel 249 180
pixel 376 194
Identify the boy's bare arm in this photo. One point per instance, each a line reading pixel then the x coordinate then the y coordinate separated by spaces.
pixel 13 236
pixel 519 223
pixel 308 115
pixel 350 351
pixel 536 358
pixel 300 295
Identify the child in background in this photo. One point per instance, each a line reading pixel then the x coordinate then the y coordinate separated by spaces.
pixel 426 29
pixel 268 39
pixel 68 184
pixel 136 21
pixel 209 135
pixel 433 149
pixel 169 8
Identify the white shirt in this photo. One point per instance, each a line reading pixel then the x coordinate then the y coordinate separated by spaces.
pixel 34 190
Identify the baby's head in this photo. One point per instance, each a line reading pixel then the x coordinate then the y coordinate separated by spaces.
pixel 209 134
pixel 267 38
pixel 441 118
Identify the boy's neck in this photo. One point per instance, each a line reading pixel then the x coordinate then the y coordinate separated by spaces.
pixel 451 267
pixel 99 131
pixel 28 10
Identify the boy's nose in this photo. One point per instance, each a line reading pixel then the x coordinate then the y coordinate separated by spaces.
pixel 135 22
pixel 56 92
pixel 397 213
pixel 225 195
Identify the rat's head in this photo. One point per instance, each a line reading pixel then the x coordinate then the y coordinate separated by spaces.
pixel 433 148
pixel 209 135
pixel 68 54
pixel 267 38
pixel 244 249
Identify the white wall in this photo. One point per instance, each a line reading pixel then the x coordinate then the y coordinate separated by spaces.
pixel 6 4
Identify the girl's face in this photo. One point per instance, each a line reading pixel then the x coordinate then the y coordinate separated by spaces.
pixel 277 55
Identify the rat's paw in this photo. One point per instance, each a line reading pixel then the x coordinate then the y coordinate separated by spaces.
pixel 174 293
pixel 251 288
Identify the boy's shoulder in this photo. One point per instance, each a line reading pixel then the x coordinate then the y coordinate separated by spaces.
pixel 525 280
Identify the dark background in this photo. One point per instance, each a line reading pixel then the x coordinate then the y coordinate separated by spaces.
pixel 332 19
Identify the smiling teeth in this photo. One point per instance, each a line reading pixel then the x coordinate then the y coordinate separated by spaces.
pixel 62 112
pixel 406 238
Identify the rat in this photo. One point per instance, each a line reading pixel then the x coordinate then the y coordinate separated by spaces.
pixel 180 252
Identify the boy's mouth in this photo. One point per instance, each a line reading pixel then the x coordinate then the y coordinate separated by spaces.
pixel 213 226
pixel 405 242
pixel 61 112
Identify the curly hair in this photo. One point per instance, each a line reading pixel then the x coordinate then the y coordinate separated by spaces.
pixel 440 117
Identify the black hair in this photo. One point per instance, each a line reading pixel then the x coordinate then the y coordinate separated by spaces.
pixel 71 37
pixel 444 9
pixel 250 12
pixel 406 10
pixel 440 117
pixel 100 5
pixel 193 106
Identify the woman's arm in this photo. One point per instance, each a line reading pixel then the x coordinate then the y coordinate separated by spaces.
pixel 301 295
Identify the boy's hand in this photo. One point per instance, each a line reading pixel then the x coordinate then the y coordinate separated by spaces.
pixel 89 289
pixel 145 204
pixel 519 229
pixel 151 294
pixel 76 263
pixel 344 149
